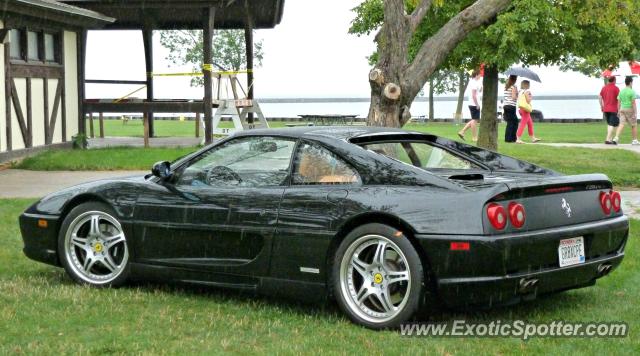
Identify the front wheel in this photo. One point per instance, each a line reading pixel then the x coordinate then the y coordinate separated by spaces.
pixel 378 277
pixel 93 247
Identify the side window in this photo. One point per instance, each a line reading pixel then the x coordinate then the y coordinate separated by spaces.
pixel 317 165
pixel 15 44
pixel 243 162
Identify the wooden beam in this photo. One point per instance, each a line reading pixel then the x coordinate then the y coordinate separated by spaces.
pixel 51 71
pixel 209 17
pixel 101 120
pixel 7 95
pixel 19 114
pixel 54 112
pixel 115 81
pixel 147 38
pixel 248 39
pixel 29 144
pixel 140 107
pixel 145 123
pixel 197 120
pixel 91 124
pixel 47 128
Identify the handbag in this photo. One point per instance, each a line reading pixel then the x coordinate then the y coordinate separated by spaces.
pixel 522 102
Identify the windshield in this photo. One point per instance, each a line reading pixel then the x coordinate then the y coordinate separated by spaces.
pixel 421 154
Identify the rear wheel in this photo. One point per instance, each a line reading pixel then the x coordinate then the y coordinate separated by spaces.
pixel 377 276
pixel 93 247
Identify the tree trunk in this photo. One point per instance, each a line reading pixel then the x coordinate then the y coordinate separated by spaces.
pixel 488 136
pixel 462 88
pixel 394 81
pixel 431 92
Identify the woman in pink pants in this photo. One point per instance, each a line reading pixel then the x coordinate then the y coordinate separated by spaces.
pixel 525 115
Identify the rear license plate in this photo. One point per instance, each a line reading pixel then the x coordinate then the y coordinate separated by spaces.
pixel 571 251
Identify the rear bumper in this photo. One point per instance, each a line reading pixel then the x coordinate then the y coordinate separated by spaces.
pixel 492 271
pixel 40 243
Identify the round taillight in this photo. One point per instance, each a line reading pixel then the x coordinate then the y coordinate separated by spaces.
pixel 497 216
pixel 616 201
pixel 605 203
pixel 517 215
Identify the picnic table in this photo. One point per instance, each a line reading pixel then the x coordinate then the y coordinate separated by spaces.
pixel 328 120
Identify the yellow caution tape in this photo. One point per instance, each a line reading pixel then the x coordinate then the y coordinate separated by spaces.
pixel 207 67
pixel 128 95
pixel 195 74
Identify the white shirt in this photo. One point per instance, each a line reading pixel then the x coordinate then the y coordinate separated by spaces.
pixel 474 85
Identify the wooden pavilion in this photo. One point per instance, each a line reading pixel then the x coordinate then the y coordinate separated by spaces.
pixel 150 15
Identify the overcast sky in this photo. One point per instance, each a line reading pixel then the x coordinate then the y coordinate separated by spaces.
pixel 310 54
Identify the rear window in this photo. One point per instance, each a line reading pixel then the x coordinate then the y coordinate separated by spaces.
pixel 421 154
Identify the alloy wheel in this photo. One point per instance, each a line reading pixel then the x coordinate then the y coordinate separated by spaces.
pixel 375 278
pixel 96 248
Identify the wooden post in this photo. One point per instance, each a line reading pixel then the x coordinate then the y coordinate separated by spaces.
pixel 207 69
pixel 197 124
pixel 7 96
pixel 248 39
pixel 91 125
pixel 81 46
pixel 101 119
pixel 145 122
pixel 147 37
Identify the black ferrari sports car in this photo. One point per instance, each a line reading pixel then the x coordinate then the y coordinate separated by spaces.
pixel 384 221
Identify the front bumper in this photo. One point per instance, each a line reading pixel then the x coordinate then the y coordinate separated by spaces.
pixel 492 271
pixel 40 243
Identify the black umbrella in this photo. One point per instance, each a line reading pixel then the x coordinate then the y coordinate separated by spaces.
pixel 523 72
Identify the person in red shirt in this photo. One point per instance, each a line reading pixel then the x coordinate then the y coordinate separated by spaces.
pixel 634 66
pixel 609 106
pixel 607 73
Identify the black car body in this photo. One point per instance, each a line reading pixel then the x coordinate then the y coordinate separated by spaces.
pixel 281 238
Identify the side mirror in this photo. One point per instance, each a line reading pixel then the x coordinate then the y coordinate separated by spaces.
pixel 161 169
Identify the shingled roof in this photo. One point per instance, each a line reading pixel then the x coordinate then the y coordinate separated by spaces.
pixel 185 14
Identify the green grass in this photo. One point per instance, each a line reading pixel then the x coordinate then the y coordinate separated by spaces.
pixel 107 159
pixel 621 166
pixel 43 312
pixel 568 133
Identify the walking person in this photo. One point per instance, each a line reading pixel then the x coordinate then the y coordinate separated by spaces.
pixel 525 109
pixel 509 109
pixel 609 107
pixel 627 110
pixel 474 93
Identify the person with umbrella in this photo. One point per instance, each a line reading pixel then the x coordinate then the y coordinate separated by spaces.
pixel 509 108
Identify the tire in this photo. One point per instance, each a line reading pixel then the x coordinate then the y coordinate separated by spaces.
pixel 374 292
pixel 92 246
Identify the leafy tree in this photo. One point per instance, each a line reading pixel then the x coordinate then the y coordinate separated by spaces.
pixel 401 70
pixel 229 52
pixel 531 32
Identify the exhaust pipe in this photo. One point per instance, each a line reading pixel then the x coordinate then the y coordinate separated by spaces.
pixel 604 269
pixel 527 285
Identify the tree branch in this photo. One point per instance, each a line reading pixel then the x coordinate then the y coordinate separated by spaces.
pixel 419 13
pixel 435 50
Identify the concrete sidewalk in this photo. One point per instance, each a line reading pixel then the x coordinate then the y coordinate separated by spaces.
pixel 139 142
pixel 622 146
pixel 17 183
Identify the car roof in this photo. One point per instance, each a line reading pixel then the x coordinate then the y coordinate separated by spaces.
pixel 335 132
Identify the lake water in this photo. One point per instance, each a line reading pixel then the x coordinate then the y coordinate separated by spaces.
pixel 552 109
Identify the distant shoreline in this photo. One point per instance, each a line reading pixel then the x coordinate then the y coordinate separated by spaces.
pixel 419 99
